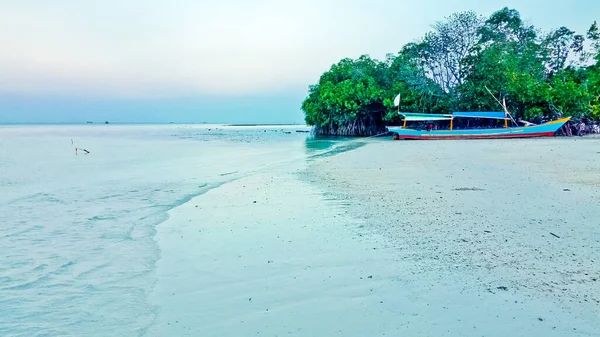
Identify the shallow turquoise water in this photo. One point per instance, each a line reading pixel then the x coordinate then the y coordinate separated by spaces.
pixel 77 231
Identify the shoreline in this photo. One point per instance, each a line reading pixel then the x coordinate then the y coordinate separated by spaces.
pixel 268 267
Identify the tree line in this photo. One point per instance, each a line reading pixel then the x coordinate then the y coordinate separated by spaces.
pixel 540 74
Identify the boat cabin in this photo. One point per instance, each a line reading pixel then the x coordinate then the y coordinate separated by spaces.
pixel 456 120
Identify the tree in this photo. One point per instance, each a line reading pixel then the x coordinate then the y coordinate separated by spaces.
pixel 594 35
pixel 419 92
pixel 593 71
pixel 569 93
pixel 559 44
pixel 507 60
pixel 506 25
pixel 443 49
pixel 348 100
pixel 453 66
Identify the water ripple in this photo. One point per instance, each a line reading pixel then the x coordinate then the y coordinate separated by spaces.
pixel 78 232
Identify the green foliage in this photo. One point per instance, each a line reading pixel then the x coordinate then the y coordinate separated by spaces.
pixel 506 25
pixel 454 66
pixel 443 49
pixel 568 89
pixel 593 72
pixel 593 83
pixel 594 35
pixel 351 90
pixel 558 45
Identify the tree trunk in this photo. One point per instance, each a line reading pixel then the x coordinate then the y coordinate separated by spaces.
pixel 351 129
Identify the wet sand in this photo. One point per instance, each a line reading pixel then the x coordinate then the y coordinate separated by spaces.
pixel 396 239
pixel 267 255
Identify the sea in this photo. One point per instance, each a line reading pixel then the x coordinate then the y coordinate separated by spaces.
pixel 214 230
pixel 80 206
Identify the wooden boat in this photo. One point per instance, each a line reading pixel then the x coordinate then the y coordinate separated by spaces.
pixel 543 130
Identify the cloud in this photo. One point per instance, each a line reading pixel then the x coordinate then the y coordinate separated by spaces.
pixel 155 49
pixel 152 48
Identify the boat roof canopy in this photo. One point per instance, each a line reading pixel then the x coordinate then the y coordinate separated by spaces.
pixel 490 115
pixel 414 117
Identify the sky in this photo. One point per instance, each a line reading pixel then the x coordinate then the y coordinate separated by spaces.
pixel 194 61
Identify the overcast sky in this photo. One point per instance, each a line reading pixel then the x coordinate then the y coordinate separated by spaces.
pixel 215 61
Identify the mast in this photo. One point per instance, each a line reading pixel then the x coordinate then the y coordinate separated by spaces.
pixel 503 105
pixel 506 111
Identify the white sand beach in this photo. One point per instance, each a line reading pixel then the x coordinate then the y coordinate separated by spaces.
pixel 492 218
pixel 467 238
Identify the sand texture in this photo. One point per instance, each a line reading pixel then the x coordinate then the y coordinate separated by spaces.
pixel 489 217
pixel 392 239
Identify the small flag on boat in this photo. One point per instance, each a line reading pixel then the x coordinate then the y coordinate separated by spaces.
pixel 397 100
